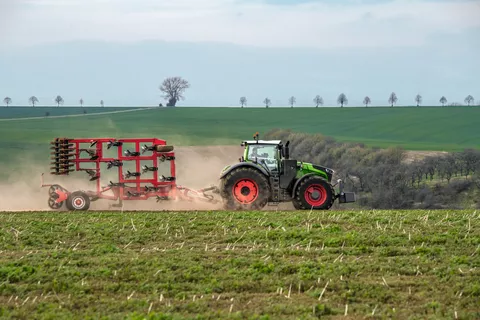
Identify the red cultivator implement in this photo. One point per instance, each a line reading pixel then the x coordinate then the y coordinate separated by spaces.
pixel 142 183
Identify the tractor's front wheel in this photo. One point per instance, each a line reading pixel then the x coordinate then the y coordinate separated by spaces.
pixel 314 193
pixel 78 201
pixel 245 189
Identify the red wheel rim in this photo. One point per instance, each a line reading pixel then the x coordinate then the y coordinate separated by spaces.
pixel 245 191
pixel 315 195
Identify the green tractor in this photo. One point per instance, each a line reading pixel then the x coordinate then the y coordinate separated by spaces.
pixel 265 175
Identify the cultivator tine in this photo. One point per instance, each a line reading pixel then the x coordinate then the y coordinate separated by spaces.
pixel 63 150
pixel 114 143
pixel 163 178
pixel 131 174
pixel 164 158
pixel 149 169
pixel 91 152
pixel 128 153
pixel 93 175
pixel 134 194
pixel 114 163
pixel 159 198
pixel 146 148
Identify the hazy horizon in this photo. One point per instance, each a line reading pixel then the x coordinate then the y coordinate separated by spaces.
pixel 120 51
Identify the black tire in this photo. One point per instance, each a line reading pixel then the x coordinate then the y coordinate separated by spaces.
pixel 297 204
pixel 164 148
pixel 78 201
pixel 248 184
pixel 314 193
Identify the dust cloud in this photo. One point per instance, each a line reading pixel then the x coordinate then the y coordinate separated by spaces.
pixel 196 167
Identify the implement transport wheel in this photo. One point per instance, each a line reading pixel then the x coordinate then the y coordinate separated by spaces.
pixel 314 193
pixel 245 189
pixel 78 201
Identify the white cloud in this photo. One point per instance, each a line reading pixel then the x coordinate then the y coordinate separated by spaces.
pixel 316 24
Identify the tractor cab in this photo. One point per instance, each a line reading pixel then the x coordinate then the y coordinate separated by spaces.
pixel 264 152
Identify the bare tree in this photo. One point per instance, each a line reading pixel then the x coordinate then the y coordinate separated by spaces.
pixel 267 102
pixel 418 99
pixel 33 100
pixel 102 103
pixel 469 99
pixel 342 99
pixel 59 100
pixel 392 99
pixel 243 101
pixel 367 101
pixel 81 102
pixel 173 89
pixel 318 101
pixel 443 100
pixel 292 101
pixel 7 101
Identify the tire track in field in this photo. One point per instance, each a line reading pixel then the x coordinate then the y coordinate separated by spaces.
pixel 77 115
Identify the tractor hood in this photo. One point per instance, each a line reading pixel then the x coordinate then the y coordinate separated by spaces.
pixel 307 168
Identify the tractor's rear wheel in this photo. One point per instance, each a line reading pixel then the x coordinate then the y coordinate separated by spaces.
pixel 245 189
pixel 314 193
pixel 78 201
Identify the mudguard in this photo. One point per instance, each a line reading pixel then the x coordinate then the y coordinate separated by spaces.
pixel 245 164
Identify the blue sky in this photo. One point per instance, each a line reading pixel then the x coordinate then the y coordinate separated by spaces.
pixel 300 48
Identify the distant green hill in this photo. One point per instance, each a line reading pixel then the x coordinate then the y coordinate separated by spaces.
pixel 424 128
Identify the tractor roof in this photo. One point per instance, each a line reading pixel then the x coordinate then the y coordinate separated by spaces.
pixel 270 142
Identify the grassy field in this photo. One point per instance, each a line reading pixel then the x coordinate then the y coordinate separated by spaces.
pixel 448 129
pixel 256 265
pixel 27 112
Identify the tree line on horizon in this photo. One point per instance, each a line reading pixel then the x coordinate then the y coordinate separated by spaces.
pixel 58 101
pixel 173 89
pixel 342 100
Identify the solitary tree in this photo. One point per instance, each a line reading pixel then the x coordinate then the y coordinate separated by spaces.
pixel 33 100
pixel 418 100
pixel 102 103
pixel 292 101
pixel 173 89
pixel 267 102
pixel 7 101
pixel 81 102
pixel 59 100
pixel 443 100
pixel 469 99
pixel 392 99
pixel 318 101
pixel 367 101
pixel 243 101
pixel 342 99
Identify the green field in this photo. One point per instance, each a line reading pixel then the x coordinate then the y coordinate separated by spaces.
pixel 27 112
pixel 449 129
pixel 256 265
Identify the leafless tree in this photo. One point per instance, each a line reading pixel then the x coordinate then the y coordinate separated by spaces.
pixel 243 101
pixel 292 100
pixel 267 102
pixel 81 102
pixel 342 99
pixel 173 89
pixel 469 99
pixel 59 100
pixel 443 100
pixel 318 101
pixel 367 101
pixel 392 99
pixel 418 99
pixel 102 103
pixel 7 101
pixel 33 100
